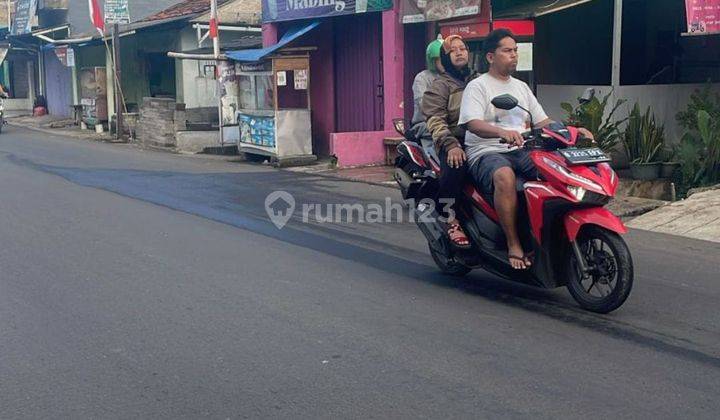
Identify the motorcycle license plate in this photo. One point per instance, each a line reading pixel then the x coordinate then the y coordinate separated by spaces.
pixel 584 156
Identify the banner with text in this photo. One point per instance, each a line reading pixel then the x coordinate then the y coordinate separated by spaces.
pixel 414 11
pixel 703 16
pixel 279 10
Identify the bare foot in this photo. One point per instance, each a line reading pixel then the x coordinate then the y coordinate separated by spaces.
pixel 517 258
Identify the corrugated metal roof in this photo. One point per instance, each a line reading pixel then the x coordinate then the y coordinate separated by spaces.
pixel 184 8
pixel 139 9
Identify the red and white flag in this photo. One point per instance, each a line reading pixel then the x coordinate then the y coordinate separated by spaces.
pixel 96 16
pixel 213 19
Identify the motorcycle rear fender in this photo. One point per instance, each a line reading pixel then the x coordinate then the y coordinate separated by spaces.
pixel 413 152
pixel 600 216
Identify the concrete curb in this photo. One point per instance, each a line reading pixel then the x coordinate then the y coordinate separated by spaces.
pixel 55 132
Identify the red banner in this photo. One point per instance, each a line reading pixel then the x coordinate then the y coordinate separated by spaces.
pixel 703 16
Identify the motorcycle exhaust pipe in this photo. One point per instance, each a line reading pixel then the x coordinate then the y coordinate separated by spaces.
pixel 409 186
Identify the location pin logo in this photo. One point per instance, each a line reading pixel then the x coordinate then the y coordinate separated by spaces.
pixel 280 206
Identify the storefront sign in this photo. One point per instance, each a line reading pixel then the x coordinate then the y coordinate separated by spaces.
pixel 467 31
pixel 116 11
pixel 252 67
pixel 703 16
pixel 25 13
pixel 414 11
pixel 279 10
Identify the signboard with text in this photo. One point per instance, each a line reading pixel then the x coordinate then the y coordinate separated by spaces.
pixel 116 11
pixel 279 10
pixel 703 16
pixel 415 11
pixel 466 30
pixel 25 12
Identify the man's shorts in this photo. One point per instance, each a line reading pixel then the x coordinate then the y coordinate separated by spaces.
pixel 483 169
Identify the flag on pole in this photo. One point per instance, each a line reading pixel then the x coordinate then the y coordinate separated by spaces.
pixel 213 19
pixel 96 16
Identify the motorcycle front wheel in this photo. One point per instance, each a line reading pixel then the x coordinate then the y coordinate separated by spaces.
pixel 609 280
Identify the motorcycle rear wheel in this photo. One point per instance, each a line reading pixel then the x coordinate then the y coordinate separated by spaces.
pixel 448 265
pixel 610 280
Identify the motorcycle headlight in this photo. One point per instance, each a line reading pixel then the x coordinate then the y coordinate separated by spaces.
pixel 577 192
pixel 575 177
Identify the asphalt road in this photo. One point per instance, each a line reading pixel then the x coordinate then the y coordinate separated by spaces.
pixel 138 284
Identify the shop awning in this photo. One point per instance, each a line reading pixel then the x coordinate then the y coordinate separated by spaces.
pixel 252 41
pixel 536 8
pixel 253 55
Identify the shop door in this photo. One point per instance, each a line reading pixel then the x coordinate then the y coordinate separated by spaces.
pixel 358 73
pixel 58 85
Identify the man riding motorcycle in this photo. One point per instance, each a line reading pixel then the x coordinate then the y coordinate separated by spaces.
pixel 495 167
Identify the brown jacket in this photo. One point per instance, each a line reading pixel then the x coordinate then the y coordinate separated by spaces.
pixel 441 108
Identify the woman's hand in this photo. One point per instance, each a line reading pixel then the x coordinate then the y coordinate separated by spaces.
pixel 456 157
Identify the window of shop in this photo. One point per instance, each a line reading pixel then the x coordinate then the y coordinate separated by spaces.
pixel 655 52
pixel 574 46
pixel 256 91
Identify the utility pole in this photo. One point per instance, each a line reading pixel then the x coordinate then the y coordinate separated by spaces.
pixel 118 87
pixel 215 35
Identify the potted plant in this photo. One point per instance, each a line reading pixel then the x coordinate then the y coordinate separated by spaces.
pixel 590 114
pixel 670 164
pixel 643 140
pixel 699 154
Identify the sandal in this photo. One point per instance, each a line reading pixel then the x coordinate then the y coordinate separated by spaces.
pixel 523 259
pixel 458 237
pixel 529 258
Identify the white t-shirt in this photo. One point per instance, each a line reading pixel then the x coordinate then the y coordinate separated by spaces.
pixel 476 106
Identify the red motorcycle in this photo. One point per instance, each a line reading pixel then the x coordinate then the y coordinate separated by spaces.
pixel 576 241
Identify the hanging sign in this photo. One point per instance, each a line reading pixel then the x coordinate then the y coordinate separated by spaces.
pixel 703 16
pixel 70 57
pixel 117 11
pixel 25 12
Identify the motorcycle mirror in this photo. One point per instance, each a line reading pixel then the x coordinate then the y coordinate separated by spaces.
pixel 506 102
pixel 399 124
pixel 587 96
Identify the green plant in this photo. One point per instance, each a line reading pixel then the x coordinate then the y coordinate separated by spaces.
pixel 699 153
pixel 643 138
pixel 590 115
pixel 700 100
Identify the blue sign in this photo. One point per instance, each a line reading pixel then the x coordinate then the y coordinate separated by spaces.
pixel 279 10
pixel 25 11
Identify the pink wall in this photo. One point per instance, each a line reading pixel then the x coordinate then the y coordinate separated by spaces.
pixel 393 65
pixel 359 148
pixel 269 34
